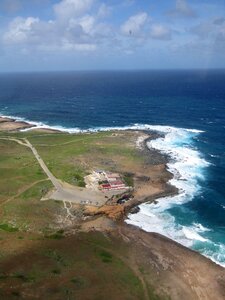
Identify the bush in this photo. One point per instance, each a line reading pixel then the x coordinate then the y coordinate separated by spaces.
pixel 79 282
pixel 129 179
pixel 8 228
pixel 106 256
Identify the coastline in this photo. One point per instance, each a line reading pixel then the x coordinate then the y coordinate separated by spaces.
pixel 167 265
pixel 8 124
pixel 11 124
pixel 114 211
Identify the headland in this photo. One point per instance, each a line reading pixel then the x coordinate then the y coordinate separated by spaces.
pixel 54 215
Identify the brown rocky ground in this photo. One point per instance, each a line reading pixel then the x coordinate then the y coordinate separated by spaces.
pixel 7 124
pixel 96 256
pixel 121 262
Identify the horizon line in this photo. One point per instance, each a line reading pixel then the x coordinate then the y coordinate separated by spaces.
pixel 111 70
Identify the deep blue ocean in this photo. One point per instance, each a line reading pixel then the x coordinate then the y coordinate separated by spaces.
pixel 187 106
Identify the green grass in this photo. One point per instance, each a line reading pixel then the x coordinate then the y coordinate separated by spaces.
pixel 129 179
pixel 69 157
pixel 105 256
pixel 8 228
pixel 18 168
pixel 90 265
pixel 28 212
pixel 64 153
pixel 56 236
pixel 37 191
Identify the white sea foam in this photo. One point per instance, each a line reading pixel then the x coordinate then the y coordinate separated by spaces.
pixel 191 234
pixel 157 128
pixel 200 228
pixel 187 166
pixel 215 252
pixel 212 155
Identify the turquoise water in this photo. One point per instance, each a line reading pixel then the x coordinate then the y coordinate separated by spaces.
pixel 188 107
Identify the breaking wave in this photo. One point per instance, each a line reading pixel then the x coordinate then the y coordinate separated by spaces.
pixel 187 165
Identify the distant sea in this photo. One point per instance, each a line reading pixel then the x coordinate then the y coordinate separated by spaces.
pixel 187 106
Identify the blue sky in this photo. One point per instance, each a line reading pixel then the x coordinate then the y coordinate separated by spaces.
pixel 40 35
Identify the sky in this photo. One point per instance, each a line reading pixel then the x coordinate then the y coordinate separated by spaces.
pixel 52 35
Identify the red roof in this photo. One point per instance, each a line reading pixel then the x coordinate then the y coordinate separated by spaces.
pixel 106 186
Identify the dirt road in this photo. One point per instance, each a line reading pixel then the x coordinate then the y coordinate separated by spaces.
pixel 63 191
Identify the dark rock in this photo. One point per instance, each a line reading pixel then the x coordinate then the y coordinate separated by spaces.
pixel 135 210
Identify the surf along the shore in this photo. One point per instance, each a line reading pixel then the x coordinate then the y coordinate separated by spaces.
pixel 187 165
pixel 169 216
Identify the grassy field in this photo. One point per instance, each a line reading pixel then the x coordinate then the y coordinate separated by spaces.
pixel 36 260
pixel 86 266
pixel 69 157
pixel 22 184
pixel 18 168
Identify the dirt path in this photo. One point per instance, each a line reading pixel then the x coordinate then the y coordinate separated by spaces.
pixel 70 142
pixel 21 191
pixel 26 143
pixel 64 192
pixel 14 140
pixel 53 179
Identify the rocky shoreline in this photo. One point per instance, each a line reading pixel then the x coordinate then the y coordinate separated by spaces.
pixel 171 268
pixel 8 124
pixel 159 187
pixel 12 125
pixel 147 188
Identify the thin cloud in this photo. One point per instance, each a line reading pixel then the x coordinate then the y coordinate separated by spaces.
pixel 72 8
pixel 182 9
pixel 134 25
pixel 160 32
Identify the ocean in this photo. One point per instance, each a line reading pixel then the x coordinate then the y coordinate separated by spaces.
pixel 188 107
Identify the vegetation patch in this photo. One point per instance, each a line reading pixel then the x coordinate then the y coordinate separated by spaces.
pixel 3 276
pixel 79 282
pixel 78 179
pixel 8 228
pixel 56 236
pixel 106 256
pixel 56 256
pixel 24 277
pixel 56 271
pixel 16 294
pixel 18 275
pixel 129 179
